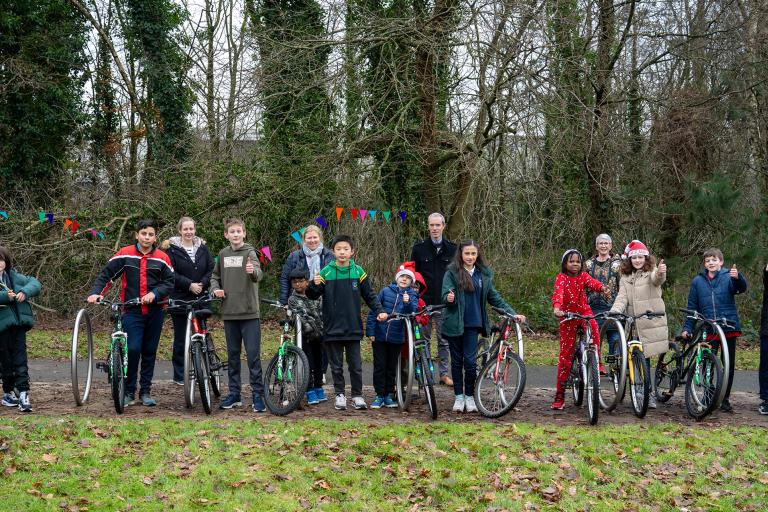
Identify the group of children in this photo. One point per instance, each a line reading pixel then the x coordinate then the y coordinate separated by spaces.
pixel 330 297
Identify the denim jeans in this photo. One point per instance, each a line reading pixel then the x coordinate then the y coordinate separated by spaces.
pixel 464 361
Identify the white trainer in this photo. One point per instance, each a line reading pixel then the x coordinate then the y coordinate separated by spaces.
pixel 469 404
pixel 341 402
pixel 458 405
pixel 359 403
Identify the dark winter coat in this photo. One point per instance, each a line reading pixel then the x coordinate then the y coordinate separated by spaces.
pixel 391 299
pixel 188 271
pixel 715 298
pixel 453 314
pixel 13 313
pixel 297 260
pixel 764 311
pixel 432 264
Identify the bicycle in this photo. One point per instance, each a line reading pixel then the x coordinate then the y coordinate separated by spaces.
pixel 501 380
pixel 287 376
pixel 694 364
pixel 202 365
pixel 584 374
pixel 628 369
pixel 115 364
pixel 419 362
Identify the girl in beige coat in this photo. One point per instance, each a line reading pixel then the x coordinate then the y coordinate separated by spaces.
pixel 640 291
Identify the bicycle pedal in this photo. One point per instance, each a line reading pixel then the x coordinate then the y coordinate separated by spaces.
pixel 610 359
pixel 101 365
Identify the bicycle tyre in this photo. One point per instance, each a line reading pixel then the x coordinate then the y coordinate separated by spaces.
pixel 117 378
pixel 492 398
pixel 405 387
pixel 214 367
pixel 592 387
pixel 725 359
pixel 483 344
pixel 189 371
pixel 667 373
pixel 201 377
pixel 282 395
pixel 577 383
pixel 613 385
pixel 82 329
pixel 429 385
pixel 640 384
pixel 700 404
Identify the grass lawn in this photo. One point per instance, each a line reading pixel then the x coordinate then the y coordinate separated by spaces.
pixel 86 464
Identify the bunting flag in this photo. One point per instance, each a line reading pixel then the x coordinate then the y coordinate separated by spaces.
pixel 386 214
pixel 67 223
pixel 354 213
pixel 93 232
pixel 296 236
pixel 4 214
pixel 402 216
pixel 101 235
pixel 75 225
pixel 50 217
pixel 372 213
pixel 266 252
pixel 42 216
pixel 301 231
pixel 321 221
pixel 339 211
pixel 363 214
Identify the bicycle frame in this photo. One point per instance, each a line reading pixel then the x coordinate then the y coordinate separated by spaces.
pixel 700 334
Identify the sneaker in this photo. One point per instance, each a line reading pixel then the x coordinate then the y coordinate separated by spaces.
pixel 458 405
pixel 559 403
pixel 258 404
pixel 148 401
pixel 24 404
pixel 763 409
pixel 378 402
pixel 128 400
pixel 359 403
pixel 341 402
pixel 652 401
pixel 10 399
pixel 390 402
pixel 312 397
pixel 726 406
pixel 231 401
pixel 469 404
pixel 178 382
pixel 320 394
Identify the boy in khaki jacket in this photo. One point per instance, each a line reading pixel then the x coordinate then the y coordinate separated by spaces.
pixel 235 279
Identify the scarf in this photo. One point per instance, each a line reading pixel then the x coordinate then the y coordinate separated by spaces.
pixel 313 259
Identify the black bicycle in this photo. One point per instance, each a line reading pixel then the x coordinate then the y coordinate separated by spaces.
pixel 585 374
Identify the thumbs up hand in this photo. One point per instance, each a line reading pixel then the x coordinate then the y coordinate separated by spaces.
pixel 662 267
pixel 249 269
pixel 734 272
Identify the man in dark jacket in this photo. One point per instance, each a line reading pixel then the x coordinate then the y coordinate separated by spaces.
pixel 432 256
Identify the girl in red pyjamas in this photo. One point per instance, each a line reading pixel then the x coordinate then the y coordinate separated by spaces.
pixel 570 296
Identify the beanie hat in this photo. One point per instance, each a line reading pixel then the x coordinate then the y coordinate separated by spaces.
pixel 603 236
pixel 635 248
pixel 568 253
pixel 403 271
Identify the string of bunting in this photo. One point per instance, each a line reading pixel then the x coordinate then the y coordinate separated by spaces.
pixel 356 213
pixel 70 225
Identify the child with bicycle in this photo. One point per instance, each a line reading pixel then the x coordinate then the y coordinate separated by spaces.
pixel 16 319
pixel 467 290
pixel 312 329
pixel 712 294
pixel 235 279
pixel 570 296
pixel 388 338
pixel 343 284
pixel 640 291
pixel 147 274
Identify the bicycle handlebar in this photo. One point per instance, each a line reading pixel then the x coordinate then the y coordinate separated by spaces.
pixel 187 304
pixel 131 302
pixel 695 315
pixel 428 310
pixel 623 316
pixel 568 316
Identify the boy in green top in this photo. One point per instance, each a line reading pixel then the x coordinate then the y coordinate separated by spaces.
pixel 342 284
pixel 235 279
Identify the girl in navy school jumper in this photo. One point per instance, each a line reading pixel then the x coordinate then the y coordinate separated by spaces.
pixel 388 337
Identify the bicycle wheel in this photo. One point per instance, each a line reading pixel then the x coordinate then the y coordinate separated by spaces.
pixel 117 377
pixel 404 378
pixel 200 364
pixel 82 357
pixel 483 344
pixel 592 380
pixel 214 366
pixel 500 385
pixel 667 373
pixel 703 384
pixel 189 371
pixel 429 385
pixel 613 384
pixel 286 381
pixel 577 383
pixel 725 359
pixel 640 383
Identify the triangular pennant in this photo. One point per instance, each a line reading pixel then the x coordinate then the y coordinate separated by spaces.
pixel 296 236
pixel 102 235
pixel 41 215
pixel 301 231
pixel 262 260
pixel 321 220
pixel 67 223
pixel 386 214
pixel 50 217
pixel 4 214
pixel 363 214
pixel 372 213
pixel 93 232
pixel 75 225
pixel 267 253
pixel 354 213
pixel 402 216
pixel 339 211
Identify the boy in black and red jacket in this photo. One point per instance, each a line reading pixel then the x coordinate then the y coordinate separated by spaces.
pixel 147 274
